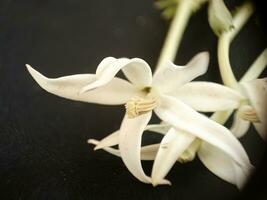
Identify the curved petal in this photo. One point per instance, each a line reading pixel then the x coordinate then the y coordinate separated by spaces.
pixel 185 118
pixel 207 96
pixel 171 76
pixel 116 92
pixel 256 91
pixel 104 64
pixel 136 70
pixel 173 144
pixel 148 152
pixel 130 145
pixel 239 126
pixel 222 165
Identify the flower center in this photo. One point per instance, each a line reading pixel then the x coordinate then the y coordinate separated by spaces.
pixel 248 113
pixel 138 106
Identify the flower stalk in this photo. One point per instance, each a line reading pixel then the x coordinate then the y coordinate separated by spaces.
pixel 239 20
pixel 175 33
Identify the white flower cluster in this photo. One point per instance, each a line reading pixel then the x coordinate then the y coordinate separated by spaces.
pixel 179 102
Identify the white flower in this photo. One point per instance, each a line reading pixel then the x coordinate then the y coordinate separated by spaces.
pixel 169 93
pixel 254 111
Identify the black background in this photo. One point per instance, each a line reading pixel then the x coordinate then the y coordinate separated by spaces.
pixel 43 149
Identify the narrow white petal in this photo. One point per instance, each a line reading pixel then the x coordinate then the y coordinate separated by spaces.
pixel 171 76
pixel 207 96
pixel 185 118
pixel 219 163
pixel 173 144
pixel 110 140
pixel 131 132
pixel 117 91
pixel 136 70
pixel 148 152
pixel 239 126
pixel 130 145
pixel 256 91
pixel 110 150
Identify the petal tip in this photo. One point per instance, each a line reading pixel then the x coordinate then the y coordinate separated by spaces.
pixel 37 76
pixel 28 66
pixel 30 69
pixel 156 182
pixel 92 141
pixel 96 143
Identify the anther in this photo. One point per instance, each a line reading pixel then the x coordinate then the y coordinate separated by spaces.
pixel 138 106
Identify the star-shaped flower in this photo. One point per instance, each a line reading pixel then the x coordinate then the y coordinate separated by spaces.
pixel 168 92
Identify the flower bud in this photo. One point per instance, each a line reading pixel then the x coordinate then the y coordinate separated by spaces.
pixel 220 18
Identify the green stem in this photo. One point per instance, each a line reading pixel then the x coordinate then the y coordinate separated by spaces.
pixel 175 33
pixel 239 20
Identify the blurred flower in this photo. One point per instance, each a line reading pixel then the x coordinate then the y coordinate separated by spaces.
pixel 255 111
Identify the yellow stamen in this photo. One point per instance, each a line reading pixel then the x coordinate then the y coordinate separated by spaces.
pixel 138 106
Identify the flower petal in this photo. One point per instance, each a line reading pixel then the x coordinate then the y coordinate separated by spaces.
pixel 148 152
pixel 116 92
pixel 130 145
pixel 207 96
pixel 219 163
pixel 158 128
pixel 239 126
pixel 110 140
pixel 136 70
pixel 256 91
pixel 173 144
pixel 108 149
pixel 184 118
pixel 171 76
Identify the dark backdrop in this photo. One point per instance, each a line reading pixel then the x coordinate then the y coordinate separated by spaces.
pixel 43 149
